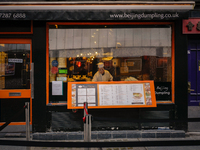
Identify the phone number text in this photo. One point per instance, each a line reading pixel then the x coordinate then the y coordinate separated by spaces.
pixel 12 15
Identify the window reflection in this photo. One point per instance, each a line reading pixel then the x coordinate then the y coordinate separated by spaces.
pixel 129 54
pixel 14 66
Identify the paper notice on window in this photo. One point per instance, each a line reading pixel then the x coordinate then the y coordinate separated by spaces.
pixel 57 88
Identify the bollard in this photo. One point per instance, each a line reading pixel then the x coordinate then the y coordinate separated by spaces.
pixel 27 121
pixel 87 125
pixel 87 133
pixel 85 113
pixel 89 122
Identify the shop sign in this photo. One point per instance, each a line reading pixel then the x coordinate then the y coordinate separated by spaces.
pixel 76 15
pixel 191 26
pixel 163 91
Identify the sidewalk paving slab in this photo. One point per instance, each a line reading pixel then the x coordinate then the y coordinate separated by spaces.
pixel 123 134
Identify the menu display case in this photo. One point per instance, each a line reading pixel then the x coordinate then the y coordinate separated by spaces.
pixel 121 94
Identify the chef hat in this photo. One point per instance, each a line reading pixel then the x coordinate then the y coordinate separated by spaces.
pixel 100 65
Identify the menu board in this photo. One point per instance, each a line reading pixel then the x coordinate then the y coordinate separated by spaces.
pixel 126 94
pixel 122 94
pixel 84 93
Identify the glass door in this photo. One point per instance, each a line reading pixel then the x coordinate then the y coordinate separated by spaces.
pixel 15 87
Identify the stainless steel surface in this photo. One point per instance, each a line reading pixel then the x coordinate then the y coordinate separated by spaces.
pixel 27 121
pixel 32 80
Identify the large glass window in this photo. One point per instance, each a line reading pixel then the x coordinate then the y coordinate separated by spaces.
pixel 128 52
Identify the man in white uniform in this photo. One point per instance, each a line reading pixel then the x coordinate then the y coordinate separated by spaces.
pixel 102 74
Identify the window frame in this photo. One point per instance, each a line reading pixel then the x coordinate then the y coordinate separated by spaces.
pixel 111 23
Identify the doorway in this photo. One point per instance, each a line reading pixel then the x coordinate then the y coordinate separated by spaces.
pixel 15 87
pixel 194 73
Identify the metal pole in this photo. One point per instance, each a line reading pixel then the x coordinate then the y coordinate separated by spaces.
pixel 85 128
pixel 27 121
pixel 86 124
pixel 89 127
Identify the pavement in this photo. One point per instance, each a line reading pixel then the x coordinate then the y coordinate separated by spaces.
pixel 162 138
pixel 189 136
pixel 109 135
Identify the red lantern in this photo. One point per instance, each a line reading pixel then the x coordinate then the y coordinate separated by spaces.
pixel 79 64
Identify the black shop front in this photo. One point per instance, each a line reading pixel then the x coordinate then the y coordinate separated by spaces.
pixel 64 42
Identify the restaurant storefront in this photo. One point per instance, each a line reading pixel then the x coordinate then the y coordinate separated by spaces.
pixel 135 42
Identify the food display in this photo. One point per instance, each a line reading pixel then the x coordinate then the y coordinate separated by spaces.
pixel 137 95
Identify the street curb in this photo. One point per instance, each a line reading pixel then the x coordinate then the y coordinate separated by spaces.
pixel 100 135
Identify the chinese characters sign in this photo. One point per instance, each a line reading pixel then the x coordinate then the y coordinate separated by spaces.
pixel 191 26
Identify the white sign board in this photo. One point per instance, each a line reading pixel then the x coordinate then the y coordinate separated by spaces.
pixel 121 94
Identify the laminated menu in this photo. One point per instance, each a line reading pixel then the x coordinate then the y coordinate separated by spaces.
pixel 121 94
pixel 125 94
pixel 84 93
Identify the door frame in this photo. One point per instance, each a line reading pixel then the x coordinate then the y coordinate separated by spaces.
pixel 25 93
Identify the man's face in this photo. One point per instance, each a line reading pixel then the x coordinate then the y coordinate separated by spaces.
pixel 101 70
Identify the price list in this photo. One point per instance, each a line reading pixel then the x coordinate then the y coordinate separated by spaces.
pixel 121 94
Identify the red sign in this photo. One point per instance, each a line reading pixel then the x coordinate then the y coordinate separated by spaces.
pixel 54 70
pixel 191 26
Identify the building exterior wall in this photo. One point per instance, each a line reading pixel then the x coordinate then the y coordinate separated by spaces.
pixel 57 117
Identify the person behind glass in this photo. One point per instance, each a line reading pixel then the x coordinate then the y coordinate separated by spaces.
pixel 102 74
